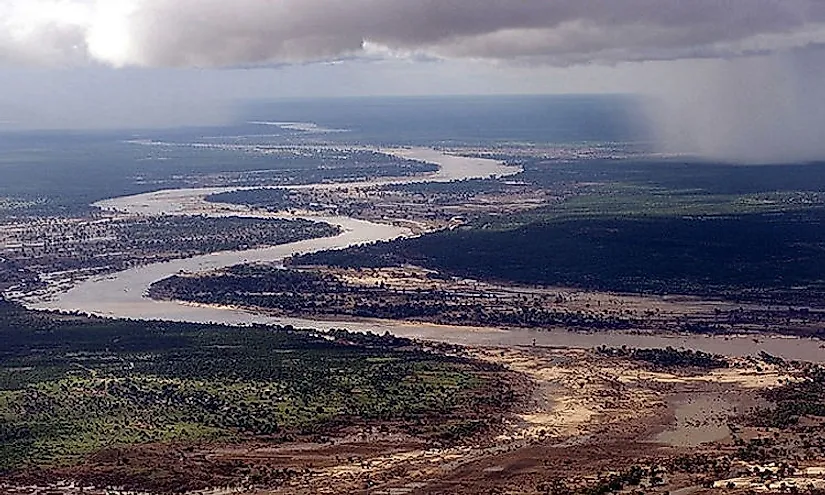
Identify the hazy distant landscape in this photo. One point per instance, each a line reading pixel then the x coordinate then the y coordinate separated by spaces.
pixel 585 228
pixel 464 247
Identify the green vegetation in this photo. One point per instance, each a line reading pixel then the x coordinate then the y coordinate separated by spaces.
pixel 302 293
pixel 794 400
pixel 772 257
pixel 679 177
pixel 668 357
pixel 744 233
pixel 634 476
pixel 71 386
pixel 628 200
pixel 98 246
pixel 60 173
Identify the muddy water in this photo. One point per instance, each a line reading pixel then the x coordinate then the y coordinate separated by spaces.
pixel 699 419
pixel 122 294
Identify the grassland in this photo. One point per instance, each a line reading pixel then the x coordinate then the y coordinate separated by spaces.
pixel 73 388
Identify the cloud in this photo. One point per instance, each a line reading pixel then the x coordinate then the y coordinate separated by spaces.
pixel 751 110
pixel 220 33
pixel 746 85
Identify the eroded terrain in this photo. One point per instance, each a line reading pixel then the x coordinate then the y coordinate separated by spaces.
pixel 163 406
pixel 584 421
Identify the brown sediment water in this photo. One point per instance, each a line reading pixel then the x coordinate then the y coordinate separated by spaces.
pixel 122 294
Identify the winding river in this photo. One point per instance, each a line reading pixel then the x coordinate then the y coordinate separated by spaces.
pixel 122 294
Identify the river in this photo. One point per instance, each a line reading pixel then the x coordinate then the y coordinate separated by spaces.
pixel 122 294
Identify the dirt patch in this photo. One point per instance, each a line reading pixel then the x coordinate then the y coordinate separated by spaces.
pixel 587 420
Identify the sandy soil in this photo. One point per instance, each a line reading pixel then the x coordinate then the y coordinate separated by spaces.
pixel 585 415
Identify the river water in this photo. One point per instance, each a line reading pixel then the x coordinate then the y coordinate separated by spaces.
pixel 122 294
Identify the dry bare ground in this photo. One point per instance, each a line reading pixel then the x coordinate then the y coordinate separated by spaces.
pixel 585 415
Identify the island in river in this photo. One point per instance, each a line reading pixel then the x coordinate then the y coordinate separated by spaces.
pixel 125 294
pixel 689 392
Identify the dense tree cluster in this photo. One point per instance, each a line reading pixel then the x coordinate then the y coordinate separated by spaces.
pixel 272 199
pixel 303 293
pixel 668 357
pixel 747 257
pixel 52 245
pixel 794 400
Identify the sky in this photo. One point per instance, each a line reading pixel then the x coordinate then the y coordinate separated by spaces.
pixel 733 79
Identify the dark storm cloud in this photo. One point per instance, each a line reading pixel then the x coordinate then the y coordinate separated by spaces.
pixel 215 33
pixel 718 100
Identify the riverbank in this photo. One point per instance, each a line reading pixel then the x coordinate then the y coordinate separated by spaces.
pixel 123 294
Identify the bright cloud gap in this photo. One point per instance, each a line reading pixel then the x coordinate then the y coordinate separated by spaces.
pixel 214 33
pixel 756 100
